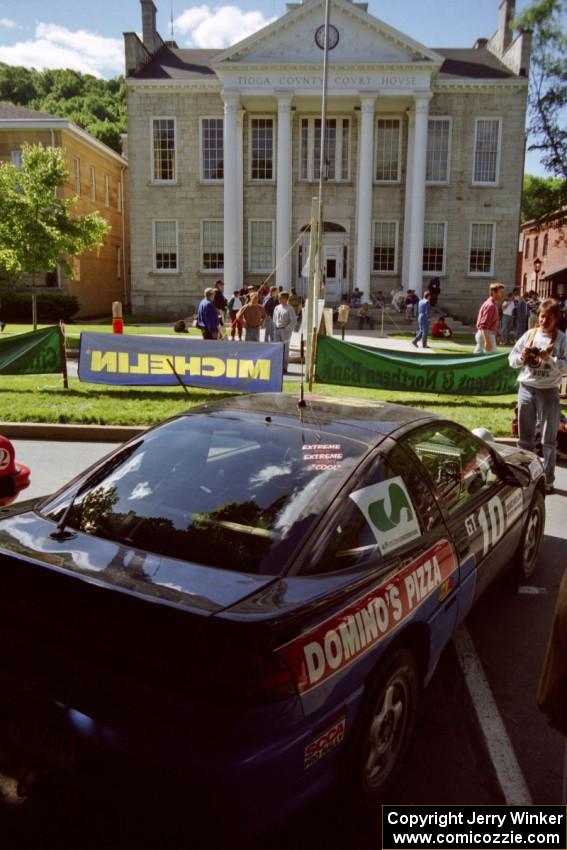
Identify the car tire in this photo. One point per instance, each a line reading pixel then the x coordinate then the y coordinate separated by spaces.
pixel 526 556
pixel 385 724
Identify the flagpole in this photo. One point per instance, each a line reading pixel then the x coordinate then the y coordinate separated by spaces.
pixel 316 288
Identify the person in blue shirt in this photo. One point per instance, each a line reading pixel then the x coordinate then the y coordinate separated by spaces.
pixel 207 316
pixel 423 311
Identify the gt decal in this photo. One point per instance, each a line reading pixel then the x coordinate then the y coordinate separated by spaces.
pixel 325 743
pixel 346 636
pixel 470 525
pixel 389 512
pixel 535 468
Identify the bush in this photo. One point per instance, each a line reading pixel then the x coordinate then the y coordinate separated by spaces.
pixel 51 307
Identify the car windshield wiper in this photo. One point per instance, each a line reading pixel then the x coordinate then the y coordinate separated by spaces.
pixel 98 475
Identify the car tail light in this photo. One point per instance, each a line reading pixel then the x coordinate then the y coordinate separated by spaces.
pixel 258 678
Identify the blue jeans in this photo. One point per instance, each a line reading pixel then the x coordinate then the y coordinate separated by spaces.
pixel 538 410
pixel 422 331
pixel 252 334
pixel 283 335
pixel 270 328
pixel 507 325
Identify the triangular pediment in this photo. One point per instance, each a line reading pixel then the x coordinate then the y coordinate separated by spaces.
pixel 363 39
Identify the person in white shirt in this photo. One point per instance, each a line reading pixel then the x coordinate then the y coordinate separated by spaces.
pixel 284 323
pixel 541 354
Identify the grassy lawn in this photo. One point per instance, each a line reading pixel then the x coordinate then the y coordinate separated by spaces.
pixel 41 398
pixel 72 332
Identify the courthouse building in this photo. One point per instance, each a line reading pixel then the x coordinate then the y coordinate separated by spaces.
pixel 423 163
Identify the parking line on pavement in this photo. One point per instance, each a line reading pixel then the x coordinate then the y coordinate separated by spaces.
pixel 501 751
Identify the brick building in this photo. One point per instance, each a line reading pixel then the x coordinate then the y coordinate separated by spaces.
pixel 423 165
pixel 543 247
pixel 97 177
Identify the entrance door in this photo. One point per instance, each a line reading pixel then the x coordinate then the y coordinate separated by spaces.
pixel 332 269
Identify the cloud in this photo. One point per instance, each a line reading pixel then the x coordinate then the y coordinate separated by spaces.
pixel 9 24
pixel 58 47
pixel 218 26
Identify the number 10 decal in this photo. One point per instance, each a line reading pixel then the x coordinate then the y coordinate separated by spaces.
pixel 491 520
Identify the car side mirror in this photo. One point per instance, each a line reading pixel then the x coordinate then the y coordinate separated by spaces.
pixel 516 475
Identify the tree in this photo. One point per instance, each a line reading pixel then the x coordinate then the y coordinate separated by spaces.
pixel 541 196
pixel 96 105
pixel 38 231
pixel 547 98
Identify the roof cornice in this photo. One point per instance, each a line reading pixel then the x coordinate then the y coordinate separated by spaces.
pixel 348 8
pixel 60 124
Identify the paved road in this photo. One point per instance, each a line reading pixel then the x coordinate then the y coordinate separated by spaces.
pixel 448 762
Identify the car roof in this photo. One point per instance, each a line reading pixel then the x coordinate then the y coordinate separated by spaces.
pixel 354 416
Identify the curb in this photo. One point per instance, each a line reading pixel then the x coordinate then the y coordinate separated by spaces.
pixel 69 433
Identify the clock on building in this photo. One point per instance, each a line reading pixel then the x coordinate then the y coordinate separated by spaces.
pixel 332 37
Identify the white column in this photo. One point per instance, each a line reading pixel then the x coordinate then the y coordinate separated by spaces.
pixel 231 182
pixel 283 194
pixel 417 189
pixel 240 190
pixel 408 198
pixel 364 195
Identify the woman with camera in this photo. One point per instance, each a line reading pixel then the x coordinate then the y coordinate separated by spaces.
pixel 541 354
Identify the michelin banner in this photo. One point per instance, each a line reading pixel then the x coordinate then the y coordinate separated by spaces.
pixel 132 360
pixel 34 353
pixel 364 366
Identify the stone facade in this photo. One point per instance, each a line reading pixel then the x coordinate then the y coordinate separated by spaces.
pixel 377 75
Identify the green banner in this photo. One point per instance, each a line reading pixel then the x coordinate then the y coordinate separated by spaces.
pixel 34 353
pixel 365 366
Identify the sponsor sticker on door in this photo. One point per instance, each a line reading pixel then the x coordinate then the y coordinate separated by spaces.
pixel 389 512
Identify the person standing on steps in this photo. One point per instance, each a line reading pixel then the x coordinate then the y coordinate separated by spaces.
pixel 423 312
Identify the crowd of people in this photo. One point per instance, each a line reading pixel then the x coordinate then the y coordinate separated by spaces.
pixel 247 311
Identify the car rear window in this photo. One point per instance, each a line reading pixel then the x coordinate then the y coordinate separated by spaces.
pixel 224 492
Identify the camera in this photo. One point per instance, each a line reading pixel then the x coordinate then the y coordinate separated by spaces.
pixel 532 356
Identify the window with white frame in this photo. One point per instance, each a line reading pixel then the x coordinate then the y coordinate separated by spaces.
pixel 261 246
pixel 92 174
pixel 486 151
pixel 106 191
pixel 261 149
pixel 119 196
pixel 438 143
pixel 388 140
pixel 163 150
pixel 337 149
pixel 481 251
pixel 212 246
pixel 16 158
pixel 434 247
pixel 385 248
pixel 77 175
pixel 212 148
pixel 165 245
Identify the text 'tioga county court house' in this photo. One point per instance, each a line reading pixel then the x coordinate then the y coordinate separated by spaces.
pixel 424 158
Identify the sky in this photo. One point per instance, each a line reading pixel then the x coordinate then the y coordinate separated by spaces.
pixel 88 36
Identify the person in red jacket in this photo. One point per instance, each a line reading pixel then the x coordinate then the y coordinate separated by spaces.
pixel 441 329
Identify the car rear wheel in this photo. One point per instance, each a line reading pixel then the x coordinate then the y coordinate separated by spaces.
pixel 531 538
pixel 386 721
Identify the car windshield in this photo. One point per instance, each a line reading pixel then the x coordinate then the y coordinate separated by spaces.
pixel 216 490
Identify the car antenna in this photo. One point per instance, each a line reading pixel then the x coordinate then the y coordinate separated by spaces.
pixel 302 402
